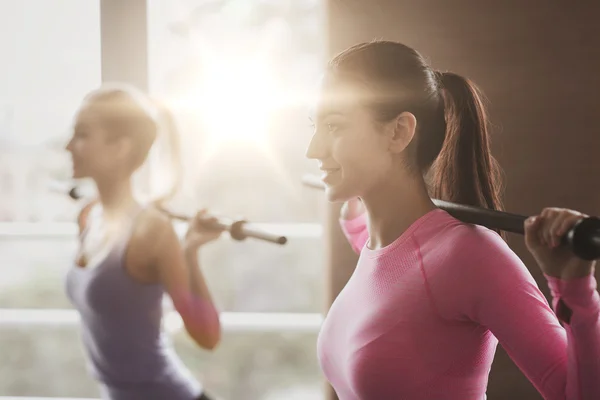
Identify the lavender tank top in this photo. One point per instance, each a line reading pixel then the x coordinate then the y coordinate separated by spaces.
pixel 121 328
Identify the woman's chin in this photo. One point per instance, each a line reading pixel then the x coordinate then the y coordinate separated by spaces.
pixel 335 194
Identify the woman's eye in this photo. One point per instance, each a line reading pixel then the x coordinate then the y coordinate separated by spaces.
pixel 332 128
pixel 325 127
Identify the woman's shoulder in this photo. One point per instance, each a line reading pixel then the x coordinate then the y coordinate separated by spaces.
pixel 452 240
pixel 151 229
pixel 449 229
pixel 474 251
pixel 151 223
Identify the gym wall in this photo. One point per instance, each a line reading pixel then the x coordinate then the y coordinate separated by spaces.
pixel 538 63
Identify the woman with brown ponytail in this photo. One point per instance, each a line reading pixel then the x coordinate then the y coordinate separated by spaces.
pixel 431 297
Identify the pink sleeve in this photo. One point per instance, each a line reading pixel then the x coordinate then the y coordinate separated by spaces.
pixel 198 314
pixel 577 303
pixel 497 291
pixel 356 231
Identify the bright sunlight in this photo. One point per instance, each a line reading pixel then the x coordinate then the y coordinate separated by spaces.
pixel 235 101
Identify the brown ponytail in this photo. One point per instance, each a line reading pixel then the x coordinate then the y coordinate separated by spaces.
pixel 465 171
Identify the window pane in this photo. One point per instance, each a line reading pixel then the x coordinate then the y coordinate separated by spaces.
pixel 43 362
pixel 238 74
pixel 257 366
pixel 248 276
pixel 261 183
pixel 50 362
pixel 51 58
pixel 33 272
pixel 254 276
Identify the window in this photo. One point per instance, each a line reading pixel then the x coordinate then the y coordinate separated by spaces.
pixel 51 59
pixel 50 362
pixel 244 156
pixel 238 76
pixel 33 270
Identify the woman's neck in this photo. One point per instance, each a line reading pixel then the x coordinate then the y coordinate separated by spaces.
pixel 116 196
pixel 393 207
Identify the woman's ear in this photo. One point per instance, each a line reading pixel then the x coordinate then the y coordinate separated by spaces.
pixel 124 148
pixel 401 131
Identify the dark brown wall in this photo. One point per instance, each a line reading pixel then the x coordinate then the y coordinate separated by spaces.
pixel 539 64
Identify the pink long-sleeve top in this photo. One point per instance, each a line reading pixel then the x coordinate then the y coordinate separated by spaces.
pixel 421 319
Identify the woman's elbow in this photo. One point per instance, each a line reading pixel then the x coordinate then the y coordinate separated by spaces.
pixel 212 340
pixel 207 339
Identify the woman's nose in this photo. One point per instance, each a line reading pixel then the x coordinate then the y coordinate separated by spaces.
pixel 317 148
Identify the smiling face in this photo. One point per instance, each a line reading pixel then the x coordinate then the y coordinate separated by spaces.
pixel 353 149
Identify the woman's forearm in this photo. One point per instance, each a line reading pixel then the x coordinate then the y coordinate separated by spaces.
pixel 197 282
